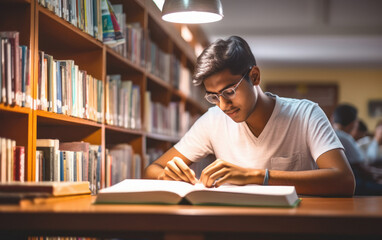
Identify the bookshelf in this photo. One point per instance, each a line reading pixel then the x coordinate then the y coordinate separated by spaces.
pixel 42 30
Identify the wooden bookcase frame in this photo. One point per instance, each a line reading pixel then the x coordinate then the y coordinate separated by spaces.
pixel 41 29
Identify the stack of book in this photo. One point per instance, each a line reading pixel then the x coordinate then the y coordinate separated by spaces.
pixel 16 192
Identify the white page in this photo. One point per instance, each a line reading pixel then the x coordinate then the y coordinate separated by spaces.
pixel 255 189
pixel 146 185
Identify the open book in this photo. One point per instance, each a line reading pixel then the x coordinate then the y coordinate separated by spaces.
pixel 144 191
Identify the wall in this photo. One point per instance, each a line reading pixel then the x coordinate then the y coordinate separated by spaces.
pixel 356 86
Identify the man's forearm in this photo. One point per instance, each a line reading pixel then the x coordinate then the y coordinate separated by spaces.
pixel 324 182
pixel 153 171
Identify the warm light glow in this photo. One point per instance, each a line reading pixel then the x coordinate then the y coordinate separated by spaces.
pixel 186 34
pixel 193 17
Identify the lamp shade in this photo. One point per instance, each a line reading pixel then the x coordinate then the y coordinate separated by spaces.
pixel 192 11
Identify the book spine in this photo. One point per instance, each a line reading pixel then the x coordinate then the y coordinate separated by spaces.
pixel 18 165
pixel 48 159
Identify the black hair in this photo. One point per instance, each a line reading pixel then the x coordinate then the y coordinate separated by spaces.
pixel 344 114
pixel 233 54
pixel 362 126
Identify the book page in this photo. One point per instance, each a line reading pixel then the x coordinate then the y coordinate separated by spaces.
pixel 253 189
pixel 145 185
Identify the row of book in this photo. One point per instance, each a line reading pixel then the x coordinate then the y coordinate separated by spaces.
pixel 15 80
pixel 161 64
pixel 69 161
pixel 134 47
pixel 122 163
pixel 158 61
pixel 84 14
pixel 12 161
pixel 123 104
pixel 172 120
pixel 182 77
pixel 64 88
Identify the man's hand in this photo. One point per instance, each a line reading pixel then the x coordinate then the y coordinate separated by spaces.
pixel 176 169
pixel 220 172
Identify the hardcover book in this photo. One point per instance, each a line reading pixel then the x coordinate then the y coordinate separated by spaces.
pixel 53 189
pixel 144 191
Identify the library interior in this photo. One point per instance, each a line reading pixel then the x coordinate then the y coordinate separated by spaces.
pixel 95 95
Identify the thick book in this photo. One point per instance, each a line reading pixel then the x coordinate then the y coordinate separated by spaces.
pixel 144 191
pixel 52 189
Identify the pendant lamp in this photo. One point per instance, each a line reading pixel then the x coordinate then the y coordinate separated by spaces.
pixel 192 11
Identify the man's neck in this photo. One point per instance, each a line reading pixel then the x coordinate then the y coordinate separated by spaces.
pixel 263 111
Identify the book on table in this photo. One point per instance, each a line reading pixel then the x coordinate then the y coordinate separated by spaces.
pixel 13 192
pixel 144 191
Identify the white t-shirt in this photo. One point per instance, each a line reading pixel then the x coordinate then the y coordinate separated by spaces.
pixel 297 133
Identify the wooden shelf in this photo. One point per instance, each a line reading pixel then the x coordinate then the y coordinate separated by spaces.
pixel 124 130
pixel 158 81
pixel 50 118
pixel 162 137
pixel 118 63
pixel 15 109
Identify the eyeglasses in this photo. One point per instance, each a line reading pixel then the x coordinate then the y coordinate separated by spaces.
pixel 228 93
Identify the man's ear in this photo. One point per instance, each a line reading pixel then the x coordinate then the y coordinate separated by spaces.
pixel 254 75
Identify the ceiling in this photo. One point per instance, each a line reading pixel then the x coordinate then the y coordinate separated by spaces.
pixel 305 33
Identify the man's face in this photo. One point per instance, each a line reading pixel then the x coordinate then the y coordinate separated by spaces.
pixel 242 104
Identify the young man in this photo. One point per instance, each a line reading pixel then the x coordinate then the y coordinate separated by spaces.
pixel 345 120
pixel 257 137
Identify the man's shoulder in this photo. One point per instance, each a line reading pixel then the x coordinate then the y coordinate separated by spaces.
pixel 296 102
pixel 293 105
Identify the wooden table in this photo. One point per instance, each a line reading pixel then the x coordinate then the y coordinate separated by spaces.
pixel 314 218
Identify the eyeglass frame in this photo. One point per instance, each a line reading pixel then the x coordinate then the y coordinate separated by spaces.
pixel 231 89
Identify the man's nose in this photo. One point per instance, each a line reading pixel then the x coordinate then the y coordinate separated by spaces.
pixel 224 103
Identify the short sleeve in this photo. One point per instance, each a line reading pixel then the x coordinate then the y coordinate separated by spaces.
pixel 320 133
pixel 196 144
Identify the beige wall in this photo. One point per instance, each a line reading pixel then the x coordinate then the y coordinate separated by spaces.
pixel 356 86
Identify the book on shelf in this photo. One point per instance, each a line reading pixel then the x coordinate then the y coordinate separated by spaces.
pixel 123 107
pixel 19 163
pixel 121 163
pixel 63 88
pixel 12 161
pixel 50 161
pixel 12 58
pixel 68 161
pixel 144 191
pixel 86 15
pixel 15 85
